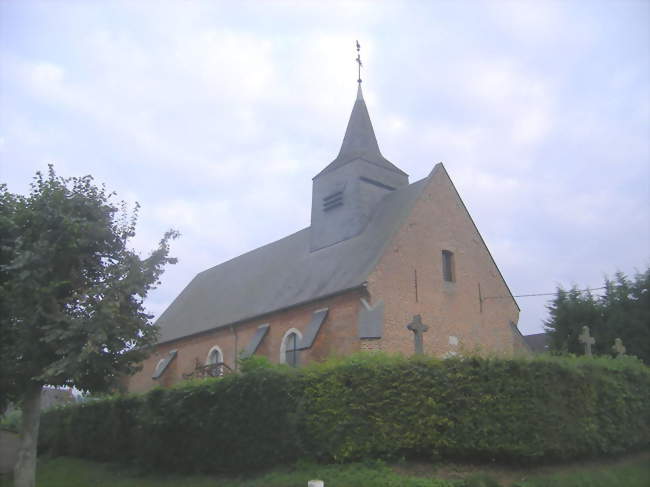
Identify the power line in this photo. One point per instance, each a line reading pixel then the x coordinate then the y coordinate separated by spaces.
pixel 545 294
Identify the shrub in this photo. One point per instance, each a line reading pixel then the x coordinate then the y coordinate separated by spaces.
pixel 369 406
pixel 255 362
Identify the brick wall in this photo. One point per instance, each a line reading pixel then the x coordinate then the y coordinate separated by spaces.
pixel 409 279
pixel 371 345
pixel 337 335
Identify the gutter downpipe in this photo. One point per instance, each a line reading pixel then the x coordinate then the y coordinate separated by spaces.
pixel 234 332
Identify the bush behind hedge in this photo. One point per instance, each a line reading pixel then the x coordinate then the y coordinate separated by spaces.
pixel 369 406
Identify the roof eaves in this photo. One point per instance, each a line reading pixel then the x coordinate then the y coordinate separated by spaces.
pixel 359 286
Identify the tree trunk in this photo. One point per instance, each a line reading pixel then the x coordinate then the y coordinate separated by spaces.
pixel 25 469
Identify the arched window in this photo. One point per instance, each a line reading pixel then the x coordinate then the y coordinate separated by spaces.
pixel 215 356
pixel 214 366
pixel 289 347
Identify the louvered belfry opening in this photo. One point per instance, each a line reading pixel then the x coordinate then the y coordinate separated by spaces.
pixel 350 187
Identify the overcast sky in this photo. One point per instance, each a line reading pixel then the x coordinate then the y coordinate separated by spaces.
pixel 216 115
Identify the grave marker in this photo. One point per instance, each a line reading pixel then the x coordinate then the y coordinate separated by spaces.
pixel 618 348
pixel 418 328
pixel 587 340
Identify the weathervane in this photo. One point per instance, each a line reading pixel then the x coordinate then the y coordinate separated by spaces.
pixel 359 61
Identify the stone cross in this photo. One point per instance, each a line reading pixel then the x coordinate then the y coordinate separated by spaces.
pixel 619 348
pixel 417 327
pixel 587 340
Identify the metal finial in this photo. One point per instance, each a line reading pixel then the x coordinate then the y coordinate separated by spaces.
pixel 359 61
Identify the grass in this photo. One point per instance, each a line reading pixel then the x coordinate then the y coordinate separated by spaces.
pixel 632 471
pixel 73 472
pixel 637 475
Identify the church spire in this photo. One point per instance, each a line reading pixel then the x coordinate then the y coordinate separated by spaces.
pixel 346 192
pixel 359 141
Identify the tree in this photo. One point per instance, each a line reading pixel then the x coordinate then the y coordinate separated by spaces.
pixel 71 296
pixel 623 311
pixel 569 312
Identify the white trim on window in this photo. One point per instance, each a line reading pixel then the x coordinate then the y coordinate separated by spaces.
pixel 283 344
pixel 216 348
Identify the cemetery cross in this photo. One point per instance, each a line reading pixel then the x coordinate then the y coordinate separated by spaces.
pixel 618 347
pixel 587 340
pixel 418 328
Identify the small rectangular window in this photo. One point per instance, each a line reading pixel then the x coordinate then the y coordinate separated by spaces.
pixel 448 266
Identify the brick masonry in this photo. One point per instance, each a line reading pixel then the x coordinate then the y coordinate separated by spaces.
pixel 338 335
pixel 458 321
pixel 409 280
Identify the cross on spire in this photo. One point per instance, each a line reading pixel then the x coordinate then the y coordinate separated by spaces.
pixel 587 340
pixel 418 328
pixel 359 62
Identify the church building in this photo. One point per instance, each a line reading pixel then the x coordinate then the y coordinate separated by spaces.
pixel 382 261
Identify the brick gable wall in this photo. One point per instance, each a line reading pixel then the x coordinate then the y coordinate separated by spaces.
pixel 457 321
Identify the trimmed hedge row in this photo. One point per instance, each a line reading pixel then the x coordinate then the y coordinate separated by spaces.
pixel 236 423
pixel 508 410
pixel 379 406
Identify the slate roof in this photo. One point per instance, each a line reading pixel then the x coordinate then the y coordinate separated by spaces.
pixel 360 142
pixel 538 342
pixel 285 273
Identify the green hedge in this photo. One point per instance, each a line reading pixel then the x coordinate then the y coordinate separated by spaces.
pixel 370 405
pixel 508 410
pixel 237 423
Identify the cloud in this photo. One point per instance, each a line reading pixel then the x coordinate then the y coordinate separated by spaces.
pixel 45 78
pixel 528 19
pixel 215 116
pixel 522 101
pixel 225 64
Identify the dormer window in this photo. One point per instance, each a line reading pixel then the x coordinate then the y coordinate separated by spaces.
pixel 448 271
pixel 162 364
pixel 333 200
